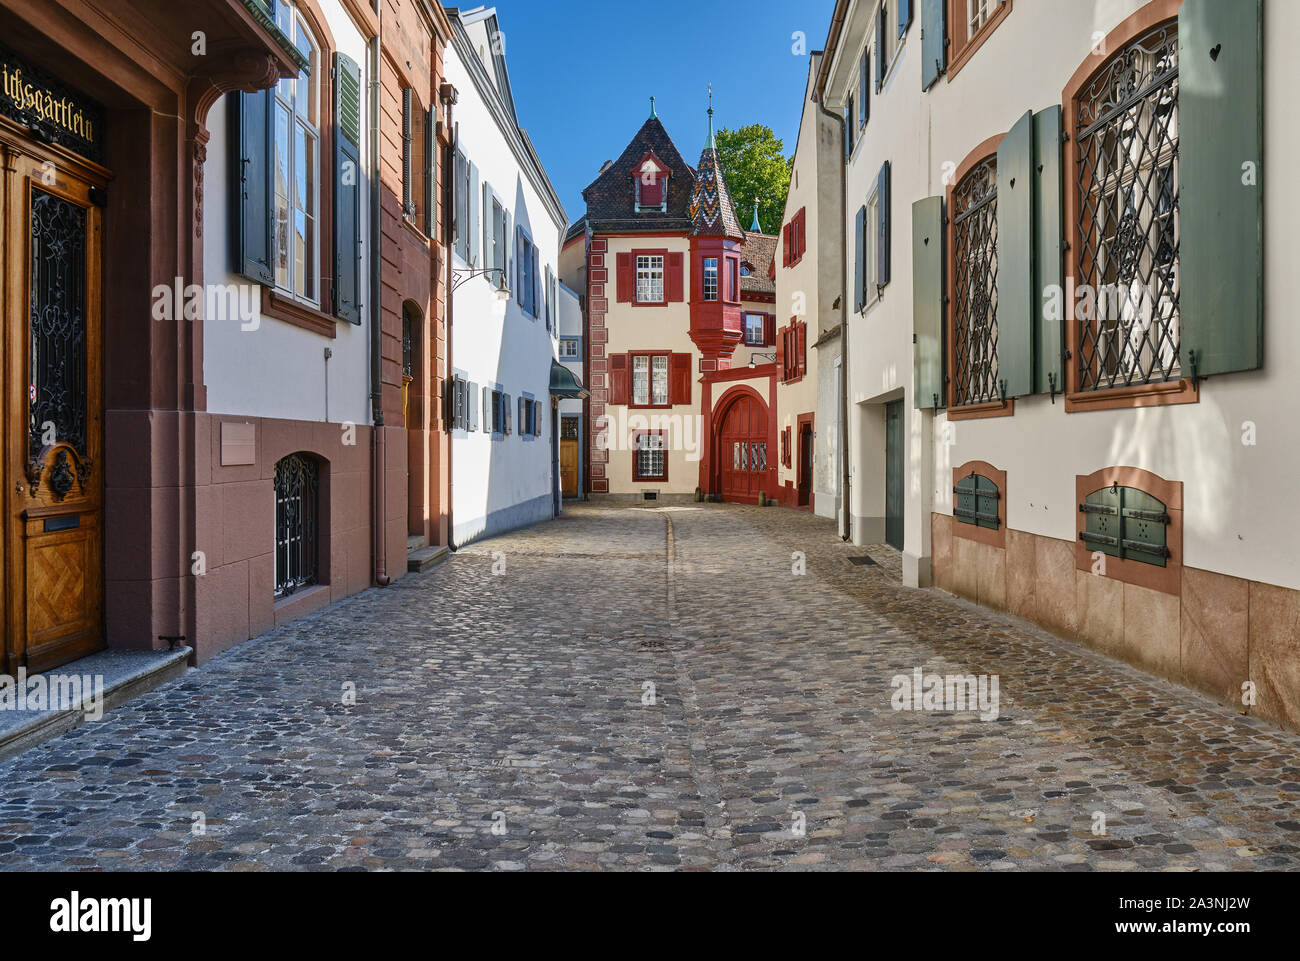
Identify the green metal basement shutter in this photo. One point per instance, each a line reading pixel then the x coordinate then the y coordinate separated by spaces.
pixel 934 41
pixel 1017 305
pixel 347 189
pixel 1049 239
pixel 1221 193
pixel 927 302
pixel 250 174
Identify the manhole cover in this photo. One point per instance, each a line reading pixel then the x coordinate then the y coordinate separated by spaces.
pixel 862 562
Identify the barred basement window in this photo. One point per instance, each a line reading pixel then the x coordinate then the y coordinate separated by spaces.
pixel 1127 233
pixel 651 458
pixel 296 507
pixel 1127 523
pixel 976 503
pixel 975 295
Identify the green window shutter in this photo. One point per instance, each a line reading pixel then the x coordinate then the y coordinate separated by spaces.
pixel 1221 207
pixel 475 216
pixel 250 173
pixel 1049 238
pixel 927 303
pixel 934 41
pixel 883 252
pixel 347 189
pixel 1017 305
pixel 860 281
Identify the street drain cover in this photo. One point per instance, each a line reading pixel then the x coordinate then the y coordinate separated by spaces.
pixel 862 562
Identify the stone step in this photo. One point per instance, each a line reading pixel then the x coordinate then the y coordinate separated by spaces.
pixel 419 561
pixel 414 542
pixel 125 675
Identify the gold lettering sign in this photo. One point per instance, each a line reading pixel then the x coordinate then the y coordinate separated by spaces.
pixel 50 110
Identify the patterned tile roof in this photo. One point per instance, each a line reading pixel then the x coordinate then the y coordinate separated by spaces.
pixel 759 252
pixel 611 197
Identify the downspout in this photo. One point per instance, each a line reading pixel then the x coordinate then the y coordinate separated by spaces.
pixel 447 94
pixel 378 500
pixel 846 517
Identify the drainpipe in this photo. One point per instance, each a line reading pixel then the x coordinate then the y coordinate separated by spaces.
pixel 846 516
pixel 448 95
pixel 378 500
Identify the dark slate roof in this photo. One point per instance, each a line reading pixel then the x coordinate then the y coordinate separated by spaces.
pixel 611 197
pixel 759 252
pixel 576 229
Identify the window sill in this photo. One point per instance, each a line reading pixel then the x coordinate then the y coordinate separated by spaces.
pixel 968 50
pixel 282 308
pixel 1185 391
pixel 415 229
pixel 983 411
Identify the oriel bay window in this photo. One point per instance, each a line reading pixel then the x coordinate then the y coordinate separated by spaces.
pixel 295 171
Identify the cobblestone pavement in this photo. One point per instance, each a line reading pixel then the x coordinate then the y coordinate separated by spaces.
pixel 515 702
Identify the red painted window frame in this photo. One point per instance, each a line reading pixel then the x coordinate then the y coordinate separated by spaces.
pixel 637 476
pixel 631 379
pixel 658 252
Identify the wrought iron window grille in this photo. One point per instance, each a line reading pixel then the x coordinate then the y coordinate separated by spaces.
pixel 975 305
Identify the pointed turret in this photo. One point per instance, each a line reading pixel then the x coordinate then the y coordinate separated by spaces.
pixel 712 212
pixel 756 227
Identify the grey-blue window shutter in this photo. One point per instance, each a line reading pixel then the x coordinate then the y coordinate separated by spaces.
pixel 904 16
pixel 250 172
pixel 927 303
pixel 347 189
pixel 488 427
pixel 430 171
pixel 860 278
pixel 487 228
pixel 1221 192
pixel 1049 246
pixel 882 32
pixel 471 408
pixel 865 83
pixel 475 214
pixel 934 41
pixel 884 254
pixel 521 268
pixel 1017 305
pixel 505 406
pixel 536 281
pixel 507 250
pixel 408 104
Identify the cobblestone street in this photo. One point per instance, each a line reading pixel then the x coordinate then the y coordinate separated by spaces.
pixel 499 724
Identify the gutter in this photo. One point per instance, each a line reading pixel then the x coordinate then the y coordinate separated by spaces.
pixel 846 517
pixel 378 449
pixel 448 96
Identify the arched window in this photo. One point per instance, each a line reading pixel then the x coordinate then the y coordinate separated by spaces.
pixel 297 504
pixel 1126 190
pixel 296 166
pixel 974 325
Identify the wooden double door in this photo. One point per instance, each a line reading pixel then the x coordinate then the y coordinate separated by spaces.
pixel 742 451
pixel 51 566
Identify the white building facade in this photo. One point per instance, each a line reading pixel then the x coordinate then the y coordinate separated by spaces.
pixel 1069 376
pixel 504 319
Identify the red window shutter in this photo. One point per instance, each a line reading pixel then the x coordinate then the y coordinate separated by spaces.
pixel 626 279
pixel 787 254
pixel 769 330
pixel 618 386
pixel 803 231
pixel 652 195
pixel 780 353
pixel 675 292
pixel 801 351
pixel 679 382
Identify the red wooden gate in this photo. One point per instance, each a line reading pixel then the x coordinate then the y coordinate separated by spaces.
pixel 742 451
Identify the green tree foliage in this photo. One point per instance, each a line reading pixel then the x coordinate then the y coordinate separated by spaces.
pixel 756 168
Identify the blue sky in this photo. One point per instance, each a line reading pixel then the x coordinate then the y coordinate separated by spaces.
pixel 583 73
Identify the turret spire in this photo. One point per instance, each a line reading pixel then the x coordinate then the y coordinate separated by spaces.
pixel 757 228
pixel 653 115
pixel 711 143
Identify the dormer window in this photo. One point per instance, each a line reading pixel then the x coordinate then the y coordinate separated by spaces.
pixel 651 180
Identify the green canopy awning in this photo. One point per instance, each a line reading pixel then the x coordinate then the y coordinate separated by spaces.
pixel 565 384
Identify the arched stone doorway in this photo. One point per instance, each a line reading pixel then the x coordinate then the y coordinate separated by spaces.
pixel 742 457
